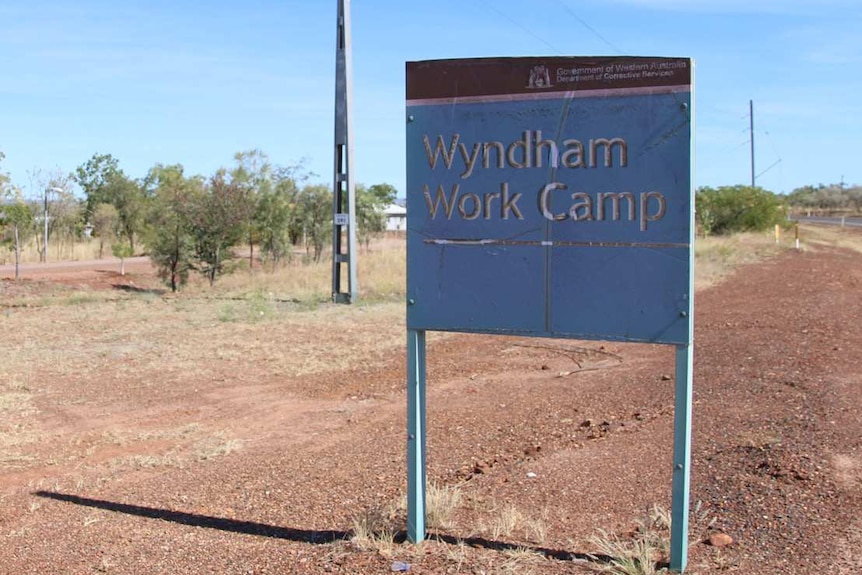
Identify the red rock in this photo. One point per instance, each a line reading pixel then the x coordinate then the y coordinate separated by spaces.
pixel 719 539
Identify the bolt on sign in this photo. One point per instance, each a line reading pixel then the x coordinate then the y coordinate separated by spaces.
pixel 550 197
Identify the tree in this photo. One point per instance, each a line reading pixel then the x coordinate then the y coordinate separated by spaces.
pixel 730 209
pixel 276 213
pixel 169 238
pixel 130 200
pixel 104 182
pixel 254 173
pixel 16 218
pixel 105 220
pixel 95 177
pixel 832 198
pixel 57 203
pixel 854 196
pixel 122 251
pixel 4 179
pixel 216 219
pixel 370 205
pixel 315 212
pixel 17 223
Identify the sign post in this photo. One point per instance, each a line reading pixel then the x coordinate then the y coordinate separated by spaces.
pixel 551 197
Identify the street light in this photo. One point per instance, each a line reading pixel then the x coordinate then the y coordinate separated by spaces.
pixel 45 217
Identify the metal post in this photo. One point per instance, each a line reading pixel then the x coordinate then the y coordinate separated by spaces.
pixel 415 435
pixel 681 459
pixel 343 200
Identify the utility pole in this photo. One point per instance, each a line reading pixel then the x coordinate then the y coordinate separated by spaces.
pixel 751 130
pixel 343 197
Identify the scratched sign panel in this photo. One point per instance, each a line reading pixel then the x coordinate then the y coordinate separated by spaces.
pixel 550 197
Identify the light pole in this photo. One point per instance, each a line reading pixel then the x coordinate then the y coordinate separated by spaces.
pixel 45 217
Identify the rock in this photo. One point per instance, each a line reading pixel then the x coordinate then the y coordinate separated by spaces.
pixel 532 450
pixel 666 377
pixel 531 475
pixel 719 539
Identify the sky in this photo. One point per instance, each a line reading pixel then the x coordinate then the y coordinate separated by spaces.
pixel 176 81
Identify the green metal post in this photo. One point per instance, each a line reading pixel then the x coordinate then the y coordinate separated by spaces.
pixel 681 459
pixel 415 435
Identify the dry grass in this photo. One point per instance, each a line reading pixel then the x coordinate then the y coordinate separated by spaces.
pixel 522 561
pixel 381 277
pixel 639 554
pixel 507 522
pixel 15 402
pixel 636 556
pixel 375 529
pixel 717 256
pixel 215 446
pixel 58 250
pixel 649 544
pixel 441 504
pixel 813 237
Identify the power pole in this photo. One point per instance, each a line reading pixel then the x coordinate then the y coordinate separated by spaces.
pixel 751 130
pixel 343 197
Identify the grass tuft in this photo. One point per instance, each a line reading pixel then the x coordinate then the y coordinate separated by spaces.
pixel 639 554
pixel 441 504
pixel 374 529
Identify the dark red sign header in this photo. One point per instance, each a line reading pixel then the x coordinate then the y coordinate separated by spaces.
pixel 487 77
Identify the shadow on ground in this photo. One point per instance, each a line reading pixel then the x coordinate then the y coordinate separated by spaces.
pixel 206 521
pixel 316 537
pixel 135 289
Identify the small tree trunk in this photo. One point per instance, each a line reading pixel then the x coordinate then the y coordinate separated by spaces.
pixel 17 255
pixel 174 265
pixel 214 268
pixel 250 252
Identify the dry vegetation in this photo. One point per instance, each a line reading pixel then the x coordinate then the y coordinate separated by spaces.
pixel 813 236
pixel 135 340
pixel 126 338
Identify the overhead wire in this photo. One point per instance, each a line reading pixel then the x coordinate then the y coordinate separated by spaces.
pixel 538 37
pixel 586 25
pixel 521 26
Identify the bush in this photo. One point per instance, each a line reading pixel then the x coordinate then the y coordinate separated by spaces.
pixel 730 209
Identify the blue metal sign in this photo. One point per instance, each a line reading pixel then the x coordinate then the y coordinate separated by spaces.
pixel 550 197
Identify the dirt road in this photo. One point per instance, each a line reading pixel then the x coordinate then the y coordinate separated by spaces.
pixel 124 461
pixel 55 270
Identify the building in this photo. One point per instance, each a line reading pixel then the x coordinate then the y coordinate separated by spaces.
pixel 396 218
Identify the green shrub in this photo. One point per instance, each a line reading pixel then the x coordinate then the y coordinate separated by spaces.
pixel 730 209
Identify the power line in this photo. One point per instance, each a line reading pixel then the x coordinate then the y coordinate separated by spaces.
pixel 522 27
pixel 588 27
pixel 772 165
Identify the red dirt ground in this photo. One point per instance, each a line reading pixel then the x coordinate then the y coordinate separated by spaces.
pixel 576 435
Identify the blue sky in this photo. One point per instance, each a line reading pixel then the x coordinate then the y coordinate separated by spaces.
pixel 193 83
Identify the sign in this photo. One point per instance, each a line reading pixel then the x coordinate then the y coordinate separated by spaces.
pixel 342 219
pixel 550 197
